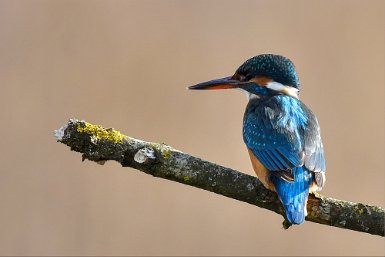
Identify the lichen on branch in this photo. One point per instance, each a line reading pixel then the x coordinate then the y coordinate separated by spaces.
pixel 100 144
pixel 97 132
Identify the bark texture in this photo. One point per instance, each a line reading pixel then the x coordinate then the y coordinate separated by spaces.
pixel 99 144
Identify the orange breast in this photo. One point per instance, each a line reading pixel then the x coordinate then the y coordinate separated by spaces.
pixel 261 171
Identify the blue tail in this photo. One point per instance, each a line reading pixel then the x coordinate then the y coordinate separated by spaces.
pixel 294 194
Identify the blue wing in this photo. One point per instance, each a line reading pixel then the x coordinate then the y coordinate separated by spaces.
pixel 283 133
pixel 313 147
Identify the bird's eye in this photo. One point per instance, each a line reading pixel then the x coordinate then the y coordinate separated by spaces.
pixel 242 78
pixel 238 77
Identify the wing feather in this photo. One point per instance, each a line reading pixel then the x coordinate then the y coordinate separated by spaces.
pixel 283 133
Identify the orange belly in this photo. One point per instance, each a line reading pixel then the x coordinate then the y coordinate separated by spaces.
pixel 261 171
pixel 314 187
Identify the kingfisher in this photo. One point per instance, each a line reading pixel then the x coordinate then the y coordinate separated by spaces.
pixel 281 133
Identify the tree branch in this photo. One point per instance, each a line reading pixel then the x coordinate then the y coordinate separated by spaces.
pixel 160 160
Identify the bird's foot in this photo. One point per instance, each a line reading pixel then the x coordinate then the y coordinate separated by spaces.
pixel 286 224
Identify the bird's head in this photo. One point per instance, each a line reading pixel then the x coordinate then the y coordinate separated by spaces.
pixel 262 75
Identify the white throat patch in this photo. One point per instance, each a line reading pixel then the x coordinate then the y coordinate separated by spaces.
pixel 249 95
pixel 291 91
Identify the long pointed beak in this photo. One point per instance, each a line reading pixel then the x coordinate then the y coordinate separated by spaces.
pixel 223 83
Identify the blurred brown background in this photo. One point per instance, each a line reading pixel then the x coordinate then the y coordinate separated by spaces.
pixel 126 64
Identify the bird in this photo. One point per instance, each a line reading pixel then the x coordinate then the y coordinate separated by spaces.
pixel 281 133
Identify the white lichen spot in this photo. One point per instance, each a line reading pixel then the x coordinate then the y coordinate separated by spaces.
pixel 59 133
pixel 181 161
pixel 93 139
pixel 249 186
pixel 143 154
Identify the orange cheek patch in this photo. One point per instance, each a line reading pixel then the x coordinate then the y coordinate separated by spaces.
pixel 262 81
